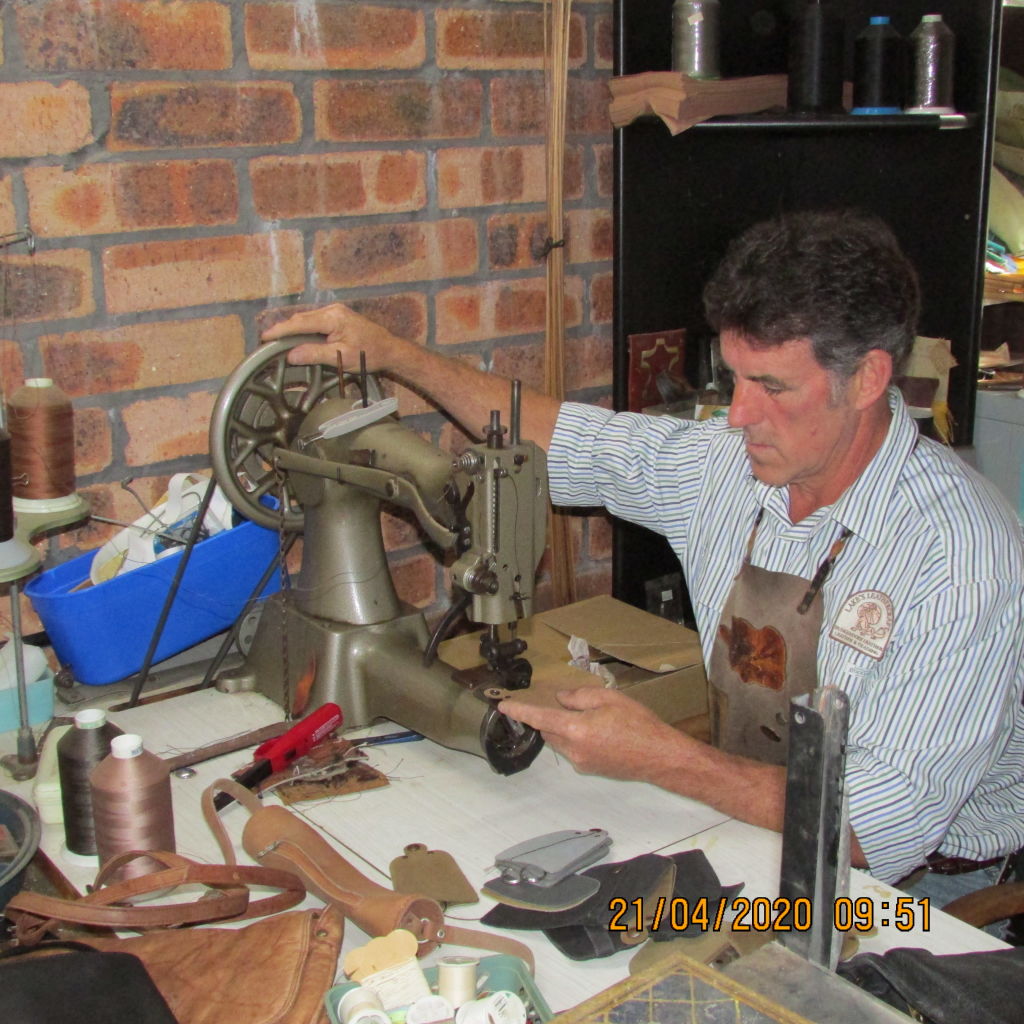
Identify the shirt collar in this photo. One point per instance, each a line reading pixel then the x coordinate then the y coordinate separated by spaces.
pixel 857 508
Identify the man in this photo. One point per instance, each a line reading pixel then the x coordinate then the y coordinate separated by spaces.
pixel 823 542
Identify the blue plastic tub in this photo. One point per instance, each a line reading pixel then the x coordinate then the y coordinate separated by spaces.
pixel 103 632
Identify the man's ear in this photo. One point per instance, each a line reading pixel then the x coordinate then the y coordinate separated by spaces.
pixel 873 376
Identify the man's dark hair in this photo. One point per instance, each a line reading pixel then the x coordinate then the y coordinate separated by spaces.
pixel 837 278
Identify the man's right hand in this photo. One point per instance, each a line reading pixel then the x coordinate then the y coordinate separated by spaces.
pixel 345 331
pixel 465 392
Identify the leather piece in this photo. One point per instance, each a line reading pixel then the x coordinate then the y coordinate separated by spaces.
pixel 583 933
pixel 640 877
pixel 638 881
pixel 34 913
pixel 696 880
pixel 210 977
pixel 433 873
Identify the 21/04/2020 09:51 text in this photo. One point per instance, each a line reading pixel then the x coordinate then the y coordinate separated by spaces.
pixel 762 914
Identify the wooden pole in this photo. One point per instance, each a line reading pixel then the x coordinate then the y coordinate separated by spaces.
pixel 557 14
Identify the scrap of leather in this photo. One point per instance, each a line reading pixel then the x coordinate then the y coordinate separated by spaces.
pixel 109 906
pixel 583 933
pixel 695 881
pixel 433 873
pixel 349 777
pixel 645 877
pixel 709 947
pixel 277 838
pixel 333 767
pixel 756 655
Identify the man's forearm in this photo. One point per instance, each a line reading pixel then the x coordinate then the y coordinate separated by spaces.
pixel 746 790
pixel 469 394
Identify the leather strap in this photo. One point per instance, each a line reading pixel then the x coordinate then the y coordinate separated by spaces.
pixel 276 837
pixel 108 906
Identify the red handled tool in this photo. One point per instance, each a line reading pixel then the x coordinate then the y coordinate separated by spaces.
pixel 276 754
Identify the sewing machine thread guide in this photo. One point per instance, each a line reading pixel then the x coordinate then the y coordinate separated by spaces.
pixel 353 419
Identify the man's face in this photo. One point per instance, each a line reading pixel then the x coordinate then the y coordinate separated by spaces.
pixel 798 421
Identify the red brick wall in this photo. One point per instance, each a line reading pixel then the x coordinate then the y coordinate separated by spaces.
pixel 188 165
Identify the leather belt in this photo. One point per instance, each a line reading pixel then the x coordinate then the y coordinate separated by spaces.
pixel 940 865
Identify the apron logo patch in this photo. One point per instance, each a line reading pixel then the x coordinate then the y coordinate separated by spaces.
pixel 865 623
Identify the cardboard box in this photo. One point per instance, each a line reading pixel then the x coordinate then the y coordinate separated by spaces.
pixel 655 661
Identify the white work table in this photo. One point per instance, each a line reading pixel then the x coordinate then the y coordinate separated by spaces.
pixel 453 801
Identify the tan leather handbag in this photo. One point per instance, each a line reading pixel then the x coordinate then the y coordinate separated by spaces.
pixel 272 971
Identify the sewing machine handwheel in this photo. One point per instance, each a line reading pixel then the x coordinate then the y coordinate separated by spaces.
pixel 508 746
pixel 261 407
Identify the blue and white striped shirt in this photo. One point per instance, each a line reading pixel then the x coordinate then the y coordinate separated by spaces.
pixel 935 757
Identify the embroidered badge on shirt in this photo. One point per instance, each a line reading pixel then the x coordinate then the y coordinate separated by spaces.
pixel 865 623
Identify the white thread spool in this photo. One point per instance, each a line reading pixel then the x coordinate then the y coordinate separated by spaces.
pixel 497 1008
pixel 398 985
pixel 456 979
pixel 361 1006
pixel 430 1010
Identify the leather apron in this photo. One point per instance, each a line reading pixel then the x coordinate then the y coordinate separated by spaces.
pixel 765 654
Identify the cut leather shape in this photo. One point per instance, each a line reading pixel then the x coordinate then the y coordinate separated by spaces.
pixel 277 838
pixel 570 892
pixel 649 878
pixel 696 881
pixel 583 932
pixel 433 873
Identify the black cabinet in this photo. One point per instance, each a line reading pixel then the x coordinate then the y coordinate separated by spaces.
pixel 680 199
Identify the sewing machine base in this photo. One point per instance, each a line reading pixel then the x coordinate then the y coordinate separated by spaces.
pixel 373 672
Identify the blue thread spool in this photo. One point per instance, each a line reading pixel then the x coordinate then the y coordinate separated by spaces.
pixel 879 69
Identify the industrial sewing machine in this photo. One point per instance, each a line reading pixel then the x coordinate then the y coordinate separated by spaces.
pixel 308 448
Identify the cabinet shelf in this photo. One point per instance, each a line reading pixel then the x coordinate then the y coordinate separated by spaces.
pixel 783 121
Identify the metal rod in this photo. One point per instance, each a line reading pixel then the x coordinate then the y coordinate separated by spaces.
pixel 135 526
pixel 517 400
pixel 26 741
pixel 232 634
pixel 158 630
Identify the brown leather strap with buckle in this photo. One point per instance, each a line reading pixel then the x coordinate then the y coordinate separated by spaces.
pixel 109 906
pixel 276 837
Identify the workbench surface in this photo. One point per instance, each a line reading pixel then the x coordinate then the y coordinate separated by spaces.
pixel 453 801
